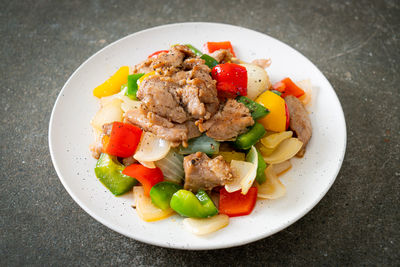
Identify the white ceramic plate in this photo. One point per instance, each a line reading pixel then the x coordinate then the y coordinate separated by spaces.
pixel 307 182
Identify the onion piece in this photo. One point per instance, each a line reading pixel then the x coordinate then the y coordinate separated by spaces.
pixel 272 188
pixel 257 80
pixel 282 167
pixel 129 104
pixel 286 150
pixel 148 164
pixel 109 112
pixel 273 140
pixel 145 209
pixel 172 166
pixel 240 170
pixel 248 180
pixel 207 225
pixel 307 88
pixel 151 148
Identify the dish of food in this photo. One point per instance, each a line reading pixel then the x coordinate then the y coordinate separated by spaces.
pixel 199 144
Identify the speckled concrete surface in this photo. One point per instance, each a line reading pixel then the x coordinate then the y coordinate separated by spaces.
pixel 355 44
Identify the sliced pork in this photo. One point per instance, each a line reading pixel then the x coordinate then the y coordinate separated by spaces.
pixel 299 121
pixel 201 172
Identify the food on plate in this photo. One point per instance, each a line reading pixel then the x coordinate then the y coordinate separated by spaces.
pixel 202 135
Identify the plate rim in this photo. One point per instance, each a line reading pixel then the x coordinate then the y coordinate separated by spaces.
pixel 196 247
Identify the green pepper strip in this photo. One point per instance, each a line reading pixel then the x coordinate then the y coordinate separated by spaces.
pixel 132 85
pixel 257 110
pixel 246 140
pixel 276 92
pixel 210 61
pixel 200 144
pixel 162 192
pixel 109 172
pixel 260 178
pixel 194 50
pixel 187 204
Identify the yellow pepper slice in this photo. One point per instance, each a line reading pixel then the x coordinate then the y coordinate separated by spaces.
pixel 276 119
pixel 113 84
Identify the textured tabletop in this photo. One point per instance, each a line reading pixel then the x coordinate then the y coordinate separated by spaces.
pixel 356 46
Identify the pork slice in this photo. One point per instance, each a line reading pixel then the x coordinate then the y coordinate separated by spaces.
pixel 299 121
pixel 159 126
pixel 230 121
pixel 189 63
pixel 158 94
pixel 201 172
pixel 193 130
pixel 222 55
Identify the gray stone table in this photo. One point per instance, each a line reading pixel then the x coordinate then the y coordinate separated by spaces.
pixel 355 44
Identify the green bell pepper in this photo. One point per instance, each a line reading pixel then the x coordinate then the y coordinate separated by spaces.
pixel 194 50
pixel 188 204
pixel 109 171
pixel 257 111
pixel 132 85
pixel 162 192
pixel 210 61
pixel 200 144
pixel 261 166
pixel 246 140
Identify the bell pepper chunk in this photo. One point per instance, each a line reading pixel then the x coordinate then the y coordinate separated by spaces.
pixel 257 111
pixel 214 46
pixel 209 61
pixel 261 166
pixel 157 52
pixel 109 171
pixel 162 192
pixel 288 87
pixel 146 176
pixel 202 143
pixel 190 205
pixel 133 85
pixel 196 51
pixel 276 120
pixel 124 139
pixel 235 203
pixel 246 140
pixel 113 84
pixel 231 79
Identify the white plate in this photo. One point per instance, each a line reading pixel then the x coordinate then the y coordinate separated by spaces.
pixel 307 182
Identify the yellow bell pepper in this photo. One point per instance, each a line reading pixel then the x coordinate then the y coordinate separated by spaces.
pixel 113 84
pixel 276 120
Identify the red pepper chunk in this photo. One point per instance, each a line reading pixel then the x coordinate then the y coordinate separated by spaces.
pixel 157 52
pixel 146 176
pixel 124 139
pixel 214 46
pixel 288 87
pixel 287 116
pixel 236 204
pixel 231 80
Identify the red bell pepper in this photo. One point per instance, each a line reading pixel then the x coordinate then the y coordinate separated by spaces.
pixel 287 116
pixel 146 176
pixel 157 52
pixel 124 139
pixel 288 87
pixel 214 46
pixel 231 79
pixel 236 204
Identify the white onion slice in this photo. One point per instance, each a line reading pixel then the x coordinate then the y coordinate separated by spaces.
pixel 286 150
pixel 282 167
pixel 151 148
pixel 108 113
pixel 207 225
pixel 240 170
pixel 248 180
pixel 272 188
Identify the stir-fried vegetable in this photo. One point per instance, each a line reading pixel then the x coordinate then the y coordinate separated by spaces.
pixel 157 52
pixel 146 176
pixel 162 192
pixel 276 119
pixel 257 80
pixel 145 208
pixel 113 84
pixel 172 166
pixel 195 206
pixel 288 87
pixel 200 144
pixel 196 51
pixel 260 178
pixel 124 139
pixel 132 85
pixel 273 140
pixel 237 204
pixel 231 155
pixel 242 171
pixel 151 148
pixel 246 140
pixel 214 46
pixel 109 171
pixel 206 226
pixel 209 61
pixel 282 167
pixel 231 79
pixel 272 188
pixel 109 112
pixel 286 150
pixel 257 111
